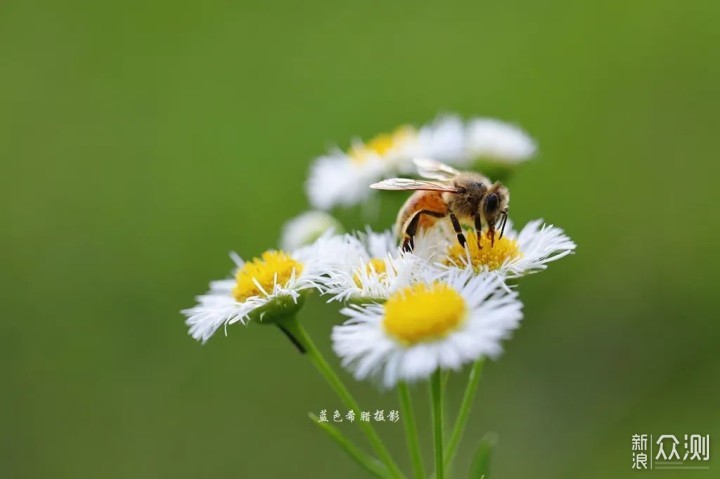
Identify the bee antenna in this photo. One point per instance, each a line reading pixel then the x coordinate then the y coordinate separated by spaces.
pixel 502 227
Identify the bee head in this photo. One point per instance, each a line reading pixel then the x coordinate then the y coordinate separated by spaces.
pixel 494 206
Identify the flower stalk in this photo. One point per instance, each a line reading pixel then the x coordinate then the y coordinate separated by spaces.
pixel 408 414
pixel 464 413
pixel 436 394
pixel 293 326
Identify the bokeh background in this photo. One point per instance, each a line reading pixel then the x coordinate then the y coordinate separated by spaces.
pixel 141 141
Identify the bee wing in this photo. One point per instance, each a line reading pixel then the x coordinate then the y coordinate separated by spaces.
pixel 435 170
pixel 400 184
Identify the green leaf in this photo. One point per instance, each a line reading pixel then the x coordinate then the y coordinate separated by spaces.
pixel 372 465
pixel 480 468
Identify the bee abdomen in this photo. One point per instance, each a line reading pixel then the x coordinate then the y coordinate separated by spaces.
pixel 421 200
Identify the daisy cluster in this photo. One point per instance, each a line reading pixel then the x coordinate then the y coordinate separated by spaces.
pixel 405 314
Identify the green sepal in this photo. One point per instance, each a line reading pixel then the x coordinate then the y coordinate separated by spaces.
pixel 278 310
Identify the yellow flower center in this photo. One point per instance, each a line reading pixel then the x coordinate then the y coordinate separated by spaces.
pixel 423 312
pixel 376 266
pixel 273 267
pixel 381 144
pixel 490 257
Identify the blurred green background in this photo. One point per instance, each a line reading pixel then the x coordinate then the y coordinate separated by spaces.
pixel 142 141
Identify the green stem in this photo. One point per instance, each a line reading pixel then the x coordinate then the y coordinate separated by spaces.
pixel 406 409
pixel 436 393
pixel 294 327
pixel 465 407
pixel 370 463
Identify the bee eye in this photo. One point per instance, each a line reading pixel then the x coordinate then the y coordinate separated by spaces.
pixel 491 203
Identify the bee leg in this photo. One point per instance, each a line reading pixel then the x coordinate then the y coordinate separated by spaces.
pixel 458 230
pixel 408 244
pixel 412 227
pixel 478 229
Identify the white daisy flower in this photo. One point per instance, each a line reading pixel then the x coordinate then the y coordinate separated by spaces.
pixel 343 178
pixel 379 266
pixel 306 228
pixel 515 254
pixel 428 325
pixel 498 141
pixel 267 288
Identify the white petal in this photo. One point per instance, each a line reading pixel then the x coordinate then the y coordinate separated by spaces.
pixel 500 141
pixel 306 228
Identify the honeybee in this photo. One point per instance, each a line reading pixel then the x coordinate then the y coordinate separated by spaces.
pixel 447 192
